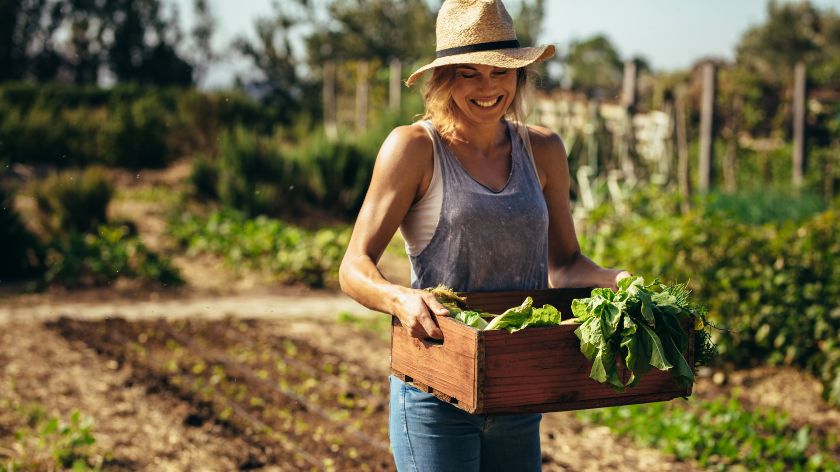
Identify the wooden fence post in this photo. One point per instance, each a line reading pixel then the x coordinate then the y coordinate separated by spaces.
pixel 628 90
pixel 682 150
pixel 395 84
pixel 798 125
pixel 707 128
pixel 329 100
pixel 730 161
pixel 362 88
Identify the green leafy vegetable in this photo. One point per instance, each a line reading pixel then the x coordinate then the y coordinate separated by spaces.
pixel 471 318
pixel 642 323
pixel 513 319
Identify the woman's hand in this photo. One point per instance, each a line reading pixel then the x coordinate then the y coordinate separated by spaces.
pixel 414 309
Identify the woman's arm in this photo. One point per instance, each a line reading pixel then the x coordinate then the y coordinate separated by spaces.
pixel 402 167
pixel 567 266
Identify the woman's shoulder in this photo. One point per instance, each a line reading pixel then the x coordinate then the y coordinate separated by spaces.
pixel 544 139
pixel 408 143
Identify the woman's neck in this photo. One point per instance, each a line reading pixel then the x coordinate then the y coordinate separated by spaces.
pixel 483 136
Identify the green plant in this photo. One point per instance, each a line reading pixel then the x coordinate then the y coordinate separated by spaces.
pixel 100 258
pixel 768 205
pixel 21 254
pixel 135 135
pixel 49 443
pixel 73 200
pixel 772 287
pixel 719 434
pixel 642 324
pixel 293 254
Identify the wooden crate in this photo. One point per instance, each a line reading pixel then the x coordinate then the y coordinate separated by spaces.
pixel 532 370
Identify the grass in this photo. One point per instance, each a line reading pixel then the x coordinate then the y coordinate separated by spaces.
pixel 721 435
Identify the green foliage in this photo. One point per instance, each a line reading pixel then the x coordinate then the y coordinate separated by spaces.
pixel 129 126
pixel 402 29
pixel 246 169
pixel 773 287
pixel 770 205
pixel 261 174
pixel 102 257
pixel 21 254
pixel 720 435
pixel 521 317
pixel 642 324
pixel 49 443
pixel 135 135
pixel 73 200
pixel 134 41
pixel 292 254
pixel 595 67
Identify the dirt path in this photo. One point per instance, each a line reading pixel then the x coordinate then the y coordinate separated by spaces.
pixel 256 305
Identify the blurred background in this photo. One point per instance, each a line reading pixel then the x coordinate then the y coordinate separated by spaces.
pixel 170 168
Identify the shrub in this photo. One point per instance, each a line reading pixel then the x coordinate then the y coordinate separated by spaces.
pixel 73 200
pixel 204 177
pixel 104 256
pixel 248 165
pixel 773 287
pixel 136 135
pixel 21 254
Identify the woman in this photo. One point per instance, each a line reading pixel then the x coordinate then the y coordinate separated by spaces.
pixel 483 204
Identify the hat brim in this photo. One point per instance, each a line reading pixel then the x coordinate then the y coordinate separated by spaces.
pixel 507 58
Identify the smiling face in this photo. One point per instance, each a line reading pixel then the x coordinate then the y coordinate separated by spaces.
pixel 482 93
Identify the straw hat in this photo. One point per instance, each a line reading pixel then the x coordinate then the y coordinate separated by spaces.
pixel 479 32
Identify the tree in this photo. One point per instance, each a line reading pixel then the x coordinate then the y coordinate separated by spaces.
pixel 74 40
pixel 595 67
pixel 374 29
pixel 767 54
pixel 202 34
pixel 143 48
pixel 278 80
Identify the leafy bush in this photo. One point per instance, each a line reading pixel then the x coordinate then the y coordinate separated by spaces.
pixel 21 254
pixel 774 287
pixel 103 257
pixel 720 434
pixel 247 167
pixel 73 200
pixel 293 254
pixel 770 205
pixel 135 135
pixel 129 125
pixel 261 174
pixel 204 177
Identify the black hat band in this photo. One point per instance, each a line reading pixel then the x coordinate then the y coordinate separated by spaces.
pixel 513 43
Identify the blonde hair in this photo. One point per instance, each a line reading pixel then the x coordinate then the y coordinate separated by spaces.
pixel 442 111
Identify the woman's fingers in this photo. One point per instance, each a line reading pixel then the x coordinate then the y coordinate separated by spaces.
pixel 434 305
pixel 416 314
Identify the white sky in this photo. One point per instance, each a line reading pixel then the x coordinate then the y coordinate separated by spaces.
pixel 670 34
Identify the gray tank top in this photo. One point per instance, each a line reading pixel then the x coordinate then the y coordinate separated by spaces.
pixel 486 240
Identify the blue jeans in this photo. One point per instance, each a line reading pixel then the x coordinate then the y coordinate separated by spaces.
pixel 428 435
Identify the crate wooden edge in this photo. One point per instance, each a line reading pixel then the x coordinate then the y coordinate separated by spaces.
pixel 589 404
pixel 469 405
